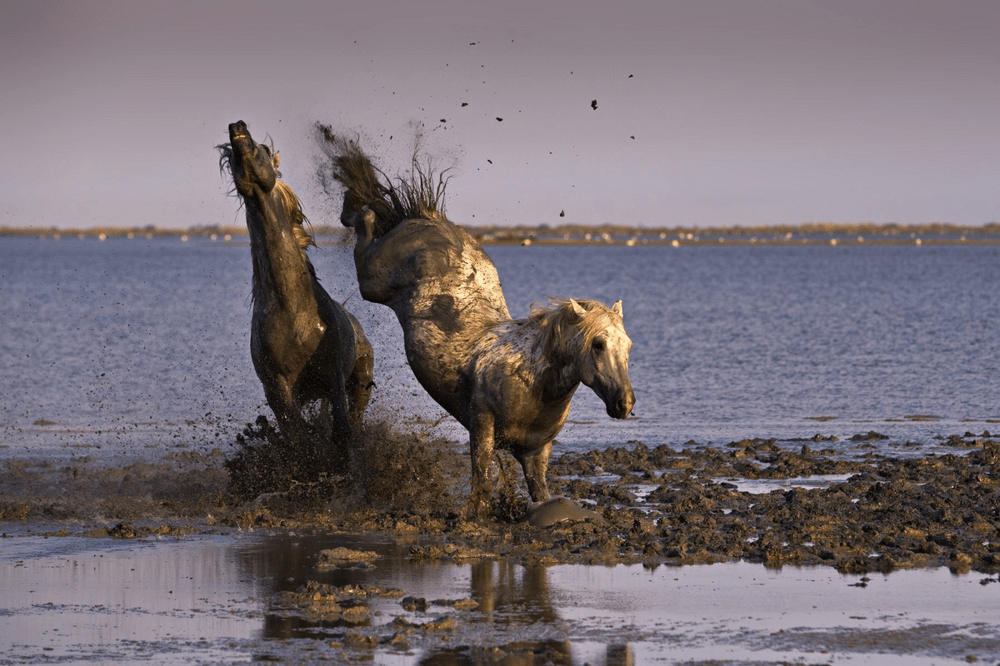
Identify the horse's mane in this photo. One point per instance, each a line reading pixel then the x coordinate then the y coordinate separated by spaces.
pixel 293 209
pixel 559 322
pixel 418 195
pixel 289 201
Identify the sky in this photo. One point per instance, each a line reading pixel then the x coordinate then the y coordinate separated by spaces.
pixel 709 112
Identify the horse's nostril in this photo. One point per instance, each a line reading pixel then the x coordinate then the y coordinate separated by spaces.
pixel 624 404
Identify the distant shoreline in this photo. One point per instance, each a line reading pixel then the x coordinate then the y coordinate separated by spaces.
pixel 797 235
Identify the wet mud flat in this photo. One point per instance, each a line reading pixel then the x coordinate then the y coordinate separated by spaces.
pixel 761 551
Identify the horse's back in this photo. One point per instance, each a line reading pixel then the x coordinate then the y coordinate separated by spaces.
pixel 427 258
pixel 446 293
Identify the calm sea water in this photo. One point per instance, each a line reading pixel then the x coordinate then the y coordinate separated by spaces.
pixel 129 343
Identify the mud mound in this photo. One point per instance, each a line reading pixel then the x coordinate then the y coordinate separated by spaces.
pixel 395 471
pixel 759 500
pixel 185 485
pixel 381 469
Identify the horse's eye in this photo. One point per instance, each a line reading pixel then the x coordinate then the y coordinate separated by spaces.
pixel 598 345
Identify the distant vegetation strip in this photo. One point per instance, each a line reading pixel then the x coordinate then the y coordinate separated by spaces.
pixel 804 234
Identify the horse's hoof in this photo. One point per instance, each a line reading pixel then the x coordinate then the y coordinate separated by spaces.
pixel 476 511
pixel 557 510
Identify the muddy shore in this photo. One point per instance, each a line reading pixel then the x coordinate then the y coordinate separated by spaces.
pixel 377 563
pixel 759 501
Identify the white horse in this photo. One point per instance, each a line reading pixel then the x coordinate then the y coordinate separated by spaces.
pixel 509 382
pixel 522 376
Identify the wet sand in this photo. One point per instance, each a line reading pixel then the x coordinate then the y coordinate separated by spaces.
pixel 760 551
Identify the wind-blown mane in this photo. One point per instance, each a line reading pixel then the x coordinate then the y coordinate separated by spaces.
pixel 289 201
pixel 293 209
pixel 560 321
pixel 418 195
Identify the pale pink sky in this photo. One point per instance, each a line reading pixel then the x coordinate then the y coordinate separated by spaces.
pixel 742 111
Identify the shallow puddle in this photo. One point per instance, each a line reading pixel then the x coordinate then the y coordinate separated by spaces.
pixel 223 599
pixel 762 486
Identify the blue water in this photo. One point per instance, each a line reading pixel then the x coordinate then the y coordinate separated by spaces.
pixel 132 343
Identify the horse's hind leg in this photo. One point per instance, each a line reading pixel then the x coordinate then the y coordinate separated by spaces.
pixel 535 464
pixel 340 408
pixel 359 388
pixel 361 379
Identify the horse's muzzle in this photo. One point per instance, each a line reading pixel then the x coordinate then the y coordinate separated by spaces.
pixel 621 406
pixel 238 130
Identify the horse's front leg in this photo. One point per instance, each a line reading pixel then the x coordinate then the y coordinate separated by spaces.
pixel 535 464
pixel 373 267
pixel 481 445
pixel 288 413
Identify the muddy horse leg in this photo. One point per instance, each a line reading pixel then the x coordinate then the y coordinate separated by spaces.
pixel 361 378
pixel 288 414
pixel 359 388
pixel 535 464
pixel 340 407
pixel 481 445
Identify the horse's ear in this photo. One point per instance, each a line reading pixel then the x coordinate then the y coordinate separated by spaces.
pixel 617 309
pixel 276 160
pixel 577 308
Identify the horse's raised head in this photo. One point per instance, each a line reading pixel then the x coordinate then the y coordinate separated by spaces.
pixel 253 166
pixel 595 335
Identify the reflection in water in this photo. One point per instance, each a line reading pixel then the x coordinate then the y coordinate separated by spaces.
pixel 512 587
pixel 508 592
pixel 76 599
pixel 217 599
pixel 512 597
pixel 285 564
pixel 521 654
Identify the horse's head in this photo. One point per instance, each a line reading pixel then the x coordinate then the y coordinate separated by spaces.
pixel 253 166
pixel 599 350
pixel 603 361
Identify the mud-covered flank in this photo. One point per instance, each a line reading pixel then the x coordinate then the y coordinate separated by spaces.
pixel 857 514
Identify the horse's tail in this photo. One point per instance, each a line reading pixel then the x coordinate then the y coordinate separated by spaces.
pixel 366 186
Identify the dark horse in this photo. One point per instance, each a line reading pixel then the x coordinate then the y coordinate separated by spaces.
pixel 509 382
pixel 305 346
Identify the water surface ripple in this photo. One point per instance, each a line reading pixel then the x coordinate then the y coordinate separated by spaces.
pixel 142 336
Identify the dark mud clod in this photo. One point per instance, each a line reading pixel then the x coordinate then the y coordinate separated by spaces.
pixel 123 531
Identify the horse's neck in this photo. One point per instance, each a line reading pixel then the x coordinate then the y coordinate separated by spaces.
pixel 557 375
pixel 280 270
